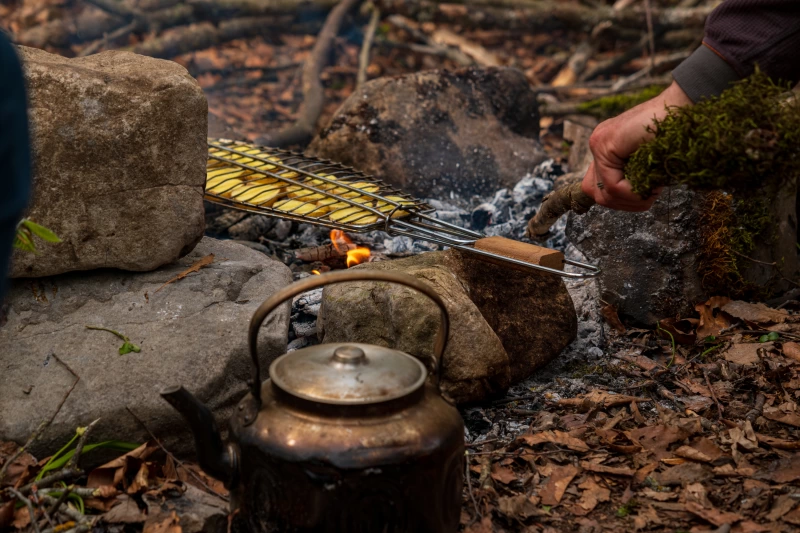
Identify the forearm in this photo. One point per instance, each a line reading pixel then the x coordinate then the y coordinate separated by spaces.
pixel 741 34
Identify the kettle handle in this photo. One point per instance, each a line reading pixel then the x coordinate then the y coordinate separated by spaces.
pixel 313 282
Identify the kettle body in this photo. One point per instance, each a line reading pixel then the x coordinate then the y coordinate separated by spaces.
pixel 342 438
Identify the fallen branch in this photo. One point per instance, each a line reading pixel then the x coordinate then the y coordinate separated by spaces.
pixel 366 47
pixel 313 92
pixel 222 9
pixel 29 505
pixel 555 204
pixel 455 55
pixel 575 65
pixel 196 266
pixel 73 461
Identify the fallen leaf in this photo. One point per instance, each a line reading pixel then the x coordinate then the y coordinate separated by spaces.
pixel 757 314
pixel 712 322
pixel 611 317
pixel 713 515
pixel 787 470
pixel 125 512
pixel 701 449
pixel 697 493
pixel 792 350
pixel 601 398
pixel 744 438
pixel 518 506
pixel 785 413
pixel 557 483
pixel 656 439
pixel 657 495
pixel 484 526
pixel 602 469
pixel 503 474
pixel 745 353
pixel 593 493
pixel 783 504
pixel 170 524
pixel 645 517
pixel 113 472
pixel 681 331
pixel 685 474
pixel 556 437
pixel 793 517
pixel 205 261
pixel 6 514
pixel 781 444
pixel 642 361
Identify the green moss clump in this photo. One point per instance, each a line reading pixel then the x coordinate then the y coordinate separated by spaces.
pixel 611 106
pixel 745 138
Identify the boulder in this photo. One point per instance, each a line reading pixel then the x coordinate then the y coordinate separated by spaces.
pixel 504 324
pixel 469 131
pixel 191 332
pixel 119 150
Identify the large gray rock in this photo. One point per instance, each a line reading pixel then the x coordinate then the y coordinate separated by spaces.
pixel 119 148
pixel 504 324
pixel 469 131
pixel 192 332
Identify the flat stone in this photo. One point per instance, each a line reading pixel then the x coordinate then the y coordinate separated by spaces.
pixel 432 133
pixel 119 150
pixel 192 332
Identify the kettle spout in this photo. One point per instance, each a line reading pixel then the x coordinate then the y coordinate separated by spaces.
pixel 215 457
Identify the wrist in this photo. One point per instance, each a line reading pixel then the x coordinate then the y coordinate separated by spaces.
pixel 675 96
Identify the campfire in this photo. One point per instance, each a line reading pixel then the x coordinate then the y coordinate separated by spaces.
pixel 345 246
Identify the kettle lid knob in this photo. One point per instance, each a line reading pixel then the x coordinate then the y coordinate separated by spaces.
pixel 349 355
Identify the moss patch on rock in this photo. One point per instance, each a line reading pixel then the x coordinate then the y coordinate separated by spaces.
pixel 615 104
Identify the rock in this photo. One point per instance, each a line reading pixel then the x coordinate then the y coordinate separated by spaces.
pixel 469 131
pixel 119 148
pixel 191 332
pixel 504 324
pixel 648 259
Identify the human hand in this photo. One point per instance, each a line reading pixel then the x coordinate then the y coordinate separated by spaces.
pixel 613 142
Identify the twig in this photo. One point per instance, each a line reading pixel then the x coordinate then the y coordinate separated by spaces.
pixel 648 11
pixel 313 93
pixel 61 475
pixel 757 409
pixel 177 461
pixel 504 401
pixel 29 505
pixel 481 443
pixel 774 265
pixel 60 501
pixel 469 488
pixel 110 37
pixel 369 37
pixel 453 54
pixel 554 205
pixel 671 59
pixel 79 528
pixel 73 461
pixel 720 410
pixel 74 514
pixel 45 424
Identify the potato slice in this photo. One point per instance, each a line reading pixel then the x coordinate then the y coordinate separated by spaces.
pixel 307 195
pixel 264 195
pixel 225 188
pixel 323 207
pixel 296 207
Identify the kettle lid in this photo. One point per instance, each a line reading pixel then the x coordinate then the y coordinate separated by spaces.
pixel 348 374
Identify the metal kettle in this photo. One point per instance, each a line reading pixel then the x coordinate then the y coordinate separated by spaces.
pixel 342 438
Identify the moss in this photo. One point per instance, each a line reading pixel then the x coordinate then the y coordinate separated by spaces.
pixel 743 139
pixel 730 231
pixel 611 106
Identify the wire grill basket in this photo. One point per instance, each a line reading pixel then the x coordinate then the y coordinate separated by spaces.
pixel 287 185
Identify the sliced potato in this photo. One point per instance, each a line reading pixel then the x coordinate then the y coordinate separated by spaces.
pixel 225 188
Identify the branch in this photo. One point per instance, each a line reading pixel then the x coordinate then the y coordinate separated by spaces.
pixel 313 92
pixel 29 505
pixel 369 37
pixel 555 204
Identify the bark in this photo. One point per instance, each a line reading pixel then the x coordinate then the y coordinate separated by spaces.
pixel 554 205
pixel 313 93
pixel 537 15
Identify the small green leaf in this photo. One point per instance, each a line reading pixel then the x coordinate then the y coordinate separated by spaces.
pixel 23 241
pixel 773 336
pixel 40 231
pixel 710 338
pixel 128 347
pixel 546 508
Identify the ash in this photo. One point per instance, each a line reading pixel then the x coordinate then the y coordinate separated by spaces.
pixel 504 214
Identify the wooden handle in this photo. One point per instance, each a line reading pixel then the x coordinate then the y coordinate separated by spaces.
pixel 522 251
pixel 554 205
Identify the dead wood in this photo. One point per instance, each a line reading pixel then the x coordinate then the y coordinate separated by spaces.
pixel 474 51
pixel 554 205
pixel 366 47
pixel 313 93
pixel 575 66
pixel 222 9
pixel 324 252
pixel 205 35
pixel 537 15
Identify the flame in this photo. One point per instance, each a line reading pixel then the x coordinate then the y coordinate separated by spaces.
pixel 316 272
pixel 343 244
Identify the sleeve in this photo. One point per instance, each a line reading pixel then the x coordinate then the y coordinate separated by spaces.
pixel 15 163
pixel 739 35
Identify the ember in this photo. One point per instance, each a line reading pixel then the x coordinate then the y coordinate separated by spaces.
pixel 355 254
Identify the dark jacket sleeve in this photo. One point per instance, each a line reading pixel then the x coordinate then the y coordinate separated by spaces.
pixel 741 34
pixel 15 164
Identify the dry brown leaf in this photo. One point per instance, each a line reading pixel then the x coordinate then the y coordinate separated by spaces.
pixel 712 321
pixel 792 350
pixel 744 438
pixel 113 472
pixel 657 495
pixel 593 493
pixel 646 517
pixel 701 449
pixel 712 515
pixel 125 512
pixel 785 413
pixel 215 484
pixel 557 483
pixel 602 398
pixel 782 505
pixel 755 313
pixel 611 317
pixel 781 444
pixel 786 470
pixel 22 518
pixel 682 331
pixel 170 524
pixel 656 439
pixel 484 526
pixel 602 469
pixel 556 437
pixel 684 474
pixel 793 517
pixel 205 261
pixel 642 361
pixel 503 474
pixel 745 353
pixel 141 481
pixel 697 493
pixel 518 507
pixel 6 514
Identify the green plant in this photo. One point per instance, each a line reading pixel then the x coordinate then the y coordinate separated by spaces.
pixel 26 229
pixel 611 106
pixel 62 456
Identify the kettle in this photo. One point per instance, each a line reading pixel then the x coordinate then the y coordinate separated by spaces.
pixel 342 438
